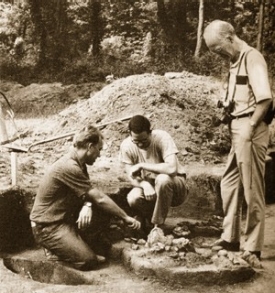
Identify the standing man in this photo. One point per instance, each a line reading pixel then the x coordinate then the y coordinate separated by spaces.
pixel 248 98
pixel 67 207
pixel 158 179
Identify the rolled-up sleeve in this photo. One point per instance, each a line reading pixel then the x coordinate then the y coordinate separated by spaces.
pixel 258 76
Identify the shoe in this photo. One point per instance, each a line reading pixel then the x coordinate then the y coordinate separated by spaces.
pixel 253 258
pixel 222 244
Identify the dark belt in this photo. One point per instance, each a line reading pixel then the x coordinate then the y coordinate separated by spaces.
pixel 242 116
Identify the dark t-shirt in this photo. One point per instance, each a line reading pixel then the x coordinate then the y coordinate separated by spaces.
pixel 60 194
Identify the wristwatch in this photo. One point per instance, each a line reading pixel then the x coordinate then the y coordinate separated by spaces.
pixel 252 123
pixel 88 204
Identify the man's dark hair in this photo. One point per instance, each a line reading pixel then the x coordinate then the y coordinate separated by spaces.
pixel 139 124
pixel 88 134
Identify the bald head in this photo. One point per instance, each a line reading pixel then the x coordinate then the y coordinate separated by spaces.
pixel 218 31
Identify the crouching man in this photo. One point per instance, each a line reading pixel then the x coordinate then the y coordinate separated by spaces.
pixel 158 179
pixel 67 207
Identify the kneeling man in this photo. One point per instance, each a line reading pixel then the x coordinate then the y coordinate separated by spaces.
pixel 67 207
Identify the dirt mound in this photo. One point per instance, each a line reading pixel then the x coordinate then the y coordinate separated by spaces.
pixel 41 100
pixel 182 104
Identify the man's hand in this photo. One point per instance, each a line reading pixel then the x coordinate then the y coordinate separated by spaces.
pixel 148 190
pixel 247 131
pixel 85 217
pixel 135 171
pixel 132 223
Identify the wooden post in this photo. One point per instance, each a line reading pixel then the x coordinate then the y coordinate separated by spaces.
pixel 13 168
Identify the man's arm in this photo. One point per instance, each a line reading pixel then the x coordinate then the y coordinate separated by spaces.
pixel 137 181
pixel 259 81
pixel 106 203
pixel 248 129
pixel 260 111
pixel 169 167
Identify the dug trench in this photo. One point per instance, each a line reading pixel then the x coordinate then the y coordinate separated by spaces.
pixel 183 104
pixel 182 255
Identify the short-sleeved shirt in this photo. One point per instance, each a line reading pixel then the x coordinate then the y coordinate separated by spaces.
pixel 249 88
pixel 60 194
pixel 162 145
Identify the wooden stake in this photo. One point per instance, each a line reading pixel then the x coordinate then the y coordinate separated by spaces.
pixel 13 168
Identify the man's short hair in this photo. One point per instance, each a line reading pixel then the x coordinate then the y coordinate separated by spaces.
pixel 217 30
pixel 89 134
pixel 139 123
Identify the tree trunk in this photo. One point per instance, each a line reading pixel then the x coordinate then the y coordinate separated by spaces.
pixel 232 11
pixel 95 26
pixel 260 25
pixel 60 38
pixel 163 18
pixel 39 28
pixel 181 23
pixel 200 29
pixel 172 18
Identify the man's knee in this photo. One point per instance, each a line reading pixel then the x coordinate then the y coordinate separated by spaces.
pixel 163 179
pixel 134 196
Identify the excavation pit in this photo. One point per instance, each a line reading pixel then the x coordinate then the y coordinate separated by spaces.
pixel 185 268
pixel 165 256
pixel 182 268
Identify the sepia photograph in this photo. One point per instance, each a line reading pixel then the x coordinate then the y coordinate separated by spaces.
pixel 137 146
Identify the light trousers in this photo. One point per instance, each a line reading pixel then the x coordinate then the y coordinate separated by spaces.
pixel 244 179
pixel 170 191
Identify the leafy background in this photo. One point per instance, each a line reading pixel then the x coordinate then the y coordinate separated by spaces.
pixel 83 41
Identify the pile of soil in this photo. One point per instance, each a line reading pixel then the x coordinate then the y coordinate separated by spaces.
pixel 42 100
pixel 183 104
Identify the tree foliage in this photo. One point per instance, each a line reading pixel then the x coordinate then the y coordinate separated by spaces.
pixel 95 38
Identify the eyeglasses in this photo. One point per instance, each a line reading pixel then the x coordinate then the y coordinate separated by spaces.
pixel 140 141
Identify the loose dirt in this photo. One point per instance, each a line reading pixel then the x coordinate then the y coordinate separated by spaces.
pixel 181 103
pixel 116 279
